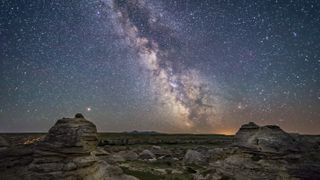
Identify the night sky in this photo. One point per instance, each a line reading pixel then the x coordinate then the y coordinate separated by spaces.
pixel 184 66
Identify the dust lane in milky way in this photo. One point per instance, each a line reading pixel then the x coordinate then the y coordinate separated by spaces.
pixel 183 91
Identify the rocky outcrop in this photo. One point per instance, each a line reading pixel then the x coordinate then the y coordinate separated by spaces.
pixel 246 166
pixel 160 152
pixel 69 152
pixel 245 132
pixel 243 163
pixel 268 138
pixel 71 136
pixel 265 152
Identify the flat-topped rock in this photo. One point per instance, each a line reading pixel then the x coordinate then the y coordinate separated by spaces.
pixel 270 138
pixel 71 135
pixel 69 151
pixel 249 126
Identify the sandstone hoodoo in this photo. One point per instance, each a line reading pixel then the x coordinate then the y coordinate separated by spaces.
pixel 71 135
pixel 68 152
pixel 268 138
pixel 263 152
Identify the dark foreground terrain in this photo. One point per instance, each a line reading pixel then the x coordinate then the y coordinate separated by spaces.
pixel 74 150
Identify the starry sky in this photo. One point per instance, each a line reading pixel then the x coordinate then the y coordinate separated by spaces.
pixel 178 66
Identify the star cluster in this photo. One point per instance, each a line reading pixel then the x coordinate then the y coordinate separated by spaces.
pixel 173 66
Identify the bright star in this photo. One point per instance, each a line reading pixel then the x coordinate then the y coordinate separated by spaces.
pixel 294 34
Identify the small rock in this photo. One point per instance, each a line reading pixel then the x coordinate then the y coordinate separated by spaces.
pixel 78 115
pixel 146 154
pixel 128 155
pixel 156 147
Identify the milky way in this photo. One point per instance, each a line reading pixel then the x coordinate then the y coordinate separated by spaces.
pixel 183 91
pixel 184 66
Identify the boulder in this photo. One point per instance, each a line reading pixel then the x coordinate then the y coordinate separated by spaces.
pixel 217 153
pixel 128 155
pixel 194 157
pixel 159 152
pixel 268 138
pixel 146 155
pixel 156 148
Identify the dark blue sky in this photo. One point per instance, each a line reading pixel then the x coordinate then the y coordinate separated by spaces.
pixel 172 66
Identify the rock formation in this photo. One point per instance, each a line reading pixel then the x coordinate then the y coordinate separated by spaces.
pixel 68 152
pixel 268 138
pixel 265 152
pixel 71 136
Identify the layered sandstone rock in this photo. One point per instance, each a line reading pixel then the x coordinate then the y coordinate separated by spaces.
pixel 71 136
pixel 263 152
pixel 268 138
pixel 68 152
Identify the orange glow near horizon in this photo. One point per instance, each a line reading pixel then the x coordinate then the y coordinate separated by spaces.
pixel 226 131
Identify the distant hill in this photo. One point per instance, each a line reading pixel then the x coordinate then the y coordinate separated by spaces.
pixel 142 132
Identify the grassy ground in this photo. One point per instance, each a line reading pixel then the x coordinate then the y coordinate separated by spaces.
pixel 136 139
pixel 168 139
pixel 147 175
